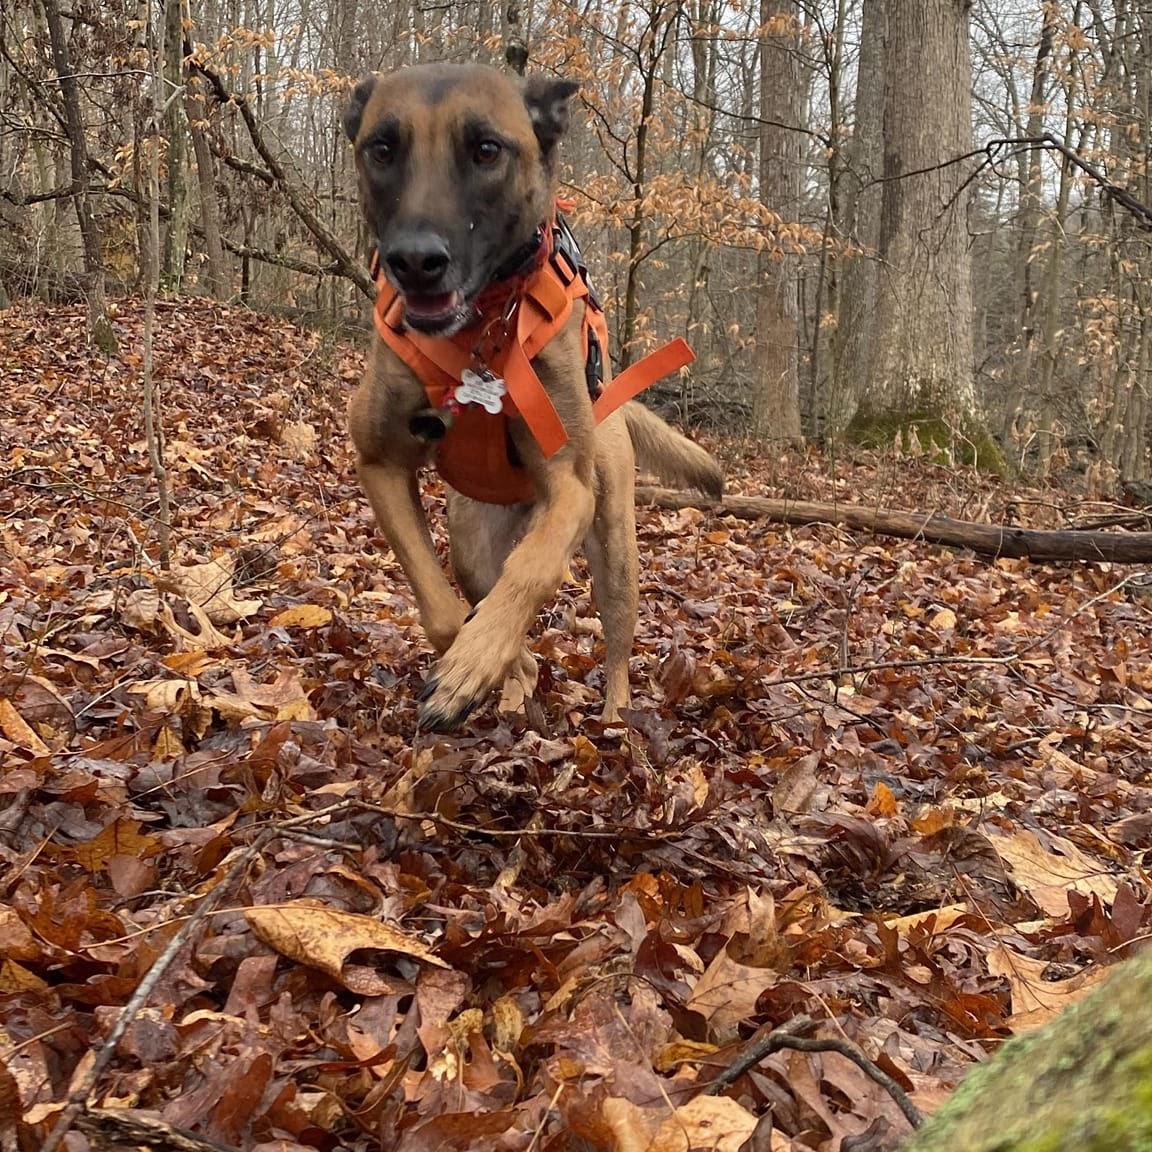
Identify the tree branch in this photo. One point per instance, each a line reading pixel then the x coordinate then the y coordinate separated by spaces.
pixel 344 261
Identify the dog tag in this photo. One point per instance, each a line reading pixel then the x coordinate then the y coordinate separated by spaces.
pixel 481 388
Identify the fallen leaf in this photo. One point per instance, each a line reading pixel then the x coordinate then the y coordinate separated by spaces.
pixel 302 616
pixel 716 1123
pixel 210 587
pixel 1036 1000
pixel 16 728
pixel 727 993
pixel 1049 876
pixel 324 938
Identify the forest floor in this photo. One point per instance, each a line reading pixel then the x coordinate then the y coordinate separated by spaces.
pixel 900 790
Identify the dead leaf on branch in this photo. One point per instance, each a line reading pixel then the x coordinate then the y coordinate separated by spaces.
pixel 324 938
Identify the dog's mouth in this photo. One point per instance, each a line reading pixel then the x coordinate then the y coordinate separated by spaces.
pixel 436 313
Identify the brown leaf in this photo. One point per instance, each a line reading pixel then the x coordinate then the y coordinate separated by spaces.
pixel 13 725
pixel 302 616
pixel 1036 1000
pixel 727 993
pixel 324 938
pixel 713 1122
pixel 1048 876
pixel 210 587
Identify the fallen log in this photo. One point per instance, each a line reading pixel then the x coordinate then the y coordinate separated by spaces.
pixel 985 539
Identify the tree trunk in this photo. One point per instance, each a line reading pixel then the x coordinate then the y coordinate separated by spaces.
pixel 153 112
pixel 814 401
pixel 99 326
pixel 860 221
pixel 175 124
pixel 1030 214
pixel 776 396
pixel 206 182
pixel 920 367
pixel 637 225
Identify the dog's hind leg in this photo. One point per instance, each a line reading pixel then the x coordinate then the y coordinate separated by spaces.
pixel 611 551
pixel 482 536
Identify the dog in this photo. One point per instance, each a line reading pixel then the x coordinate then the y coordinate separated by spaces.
pixel 456 168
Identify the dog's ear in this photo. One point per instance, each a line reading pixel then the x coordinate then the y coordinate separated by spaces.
pixel 547 102
pixel 356 102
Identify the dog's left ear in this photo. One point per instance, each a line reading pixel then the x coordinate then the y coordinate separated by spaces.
pixel 547 103
pixel 354 113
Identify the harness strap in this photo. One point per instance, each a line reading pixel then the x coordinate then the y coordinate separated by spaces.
pixel 627 385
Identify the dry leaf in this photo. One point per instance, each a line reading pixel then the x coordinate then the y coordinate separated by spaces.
pixel 302 616
pixel 727 993
pixel 1049 876
pixel 209 586
pixel 716 1123
pixel 938 919
pixel 299 439
pixel 324 938
pixel 1036 1000
pixel 631 1125
pixel 140 608
pixel 14 726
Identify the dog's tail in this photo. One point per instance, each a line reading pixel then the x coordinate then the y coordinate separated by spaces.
pixel 662 450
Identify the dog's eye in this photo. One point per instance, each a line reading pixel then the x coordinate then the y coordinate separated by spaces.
pixel 381 153
pixel 487 152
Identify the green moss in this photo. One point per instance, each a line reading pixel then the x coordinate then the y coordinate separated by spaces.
pixel 1081 1084
pixel 939 440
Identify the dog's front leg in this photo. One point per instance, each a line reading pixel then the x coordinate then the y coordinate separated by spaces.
pixel 491 641
pixel 395 498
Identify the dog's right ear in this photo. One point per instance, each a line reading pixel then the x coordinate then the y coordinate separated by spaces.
pixel 356 102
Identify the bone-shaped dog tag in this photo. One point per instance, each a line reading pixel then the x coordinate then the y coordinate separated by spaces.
pixel 481 388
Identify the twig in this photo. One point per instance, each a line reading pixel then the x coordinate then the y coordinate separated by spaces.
pixel 791 1035
pixel 114 1127
pixel 513 833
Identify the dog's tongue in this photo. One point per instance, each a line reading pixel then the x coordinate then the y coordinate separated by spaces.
pixel 430 306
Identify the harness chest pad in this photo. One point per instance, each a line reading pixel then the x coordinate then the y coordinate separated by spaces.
pixel 476 456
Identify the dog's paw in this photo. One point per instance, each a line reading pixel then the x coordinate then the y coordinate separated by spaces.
pixel 464 677
pixel 435 716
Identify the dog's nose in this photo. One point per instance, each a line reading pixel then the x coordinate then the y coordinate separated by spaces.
pixel 418 261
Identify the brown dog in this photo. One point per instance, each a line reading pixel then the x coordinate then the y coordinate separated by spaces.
pixel 456 176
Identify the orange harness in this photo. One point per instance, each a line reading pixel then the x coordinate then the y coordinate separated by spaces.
pixel 475 455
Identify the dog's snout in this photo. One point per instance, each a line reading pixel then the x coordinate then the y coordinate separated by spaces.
pixel 418 260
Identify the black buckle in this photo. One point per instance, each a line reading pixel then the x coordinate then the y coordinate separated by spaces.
pixel 594 365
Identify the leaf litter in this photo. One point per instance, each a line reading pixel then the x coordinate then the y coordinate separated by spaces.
pixel 523 937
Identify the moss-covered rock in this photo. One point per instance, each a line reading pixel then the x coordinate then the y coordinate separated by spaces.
pixel 1083 1083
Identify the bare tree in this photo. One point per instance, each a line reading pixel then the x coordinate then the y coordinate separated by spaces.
pixel 860 222
pixel 920 364
pixel 99 326
pixel 776 398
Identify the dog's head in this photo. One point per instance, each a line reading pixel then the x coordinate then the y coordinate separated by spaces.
pixel 455 167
